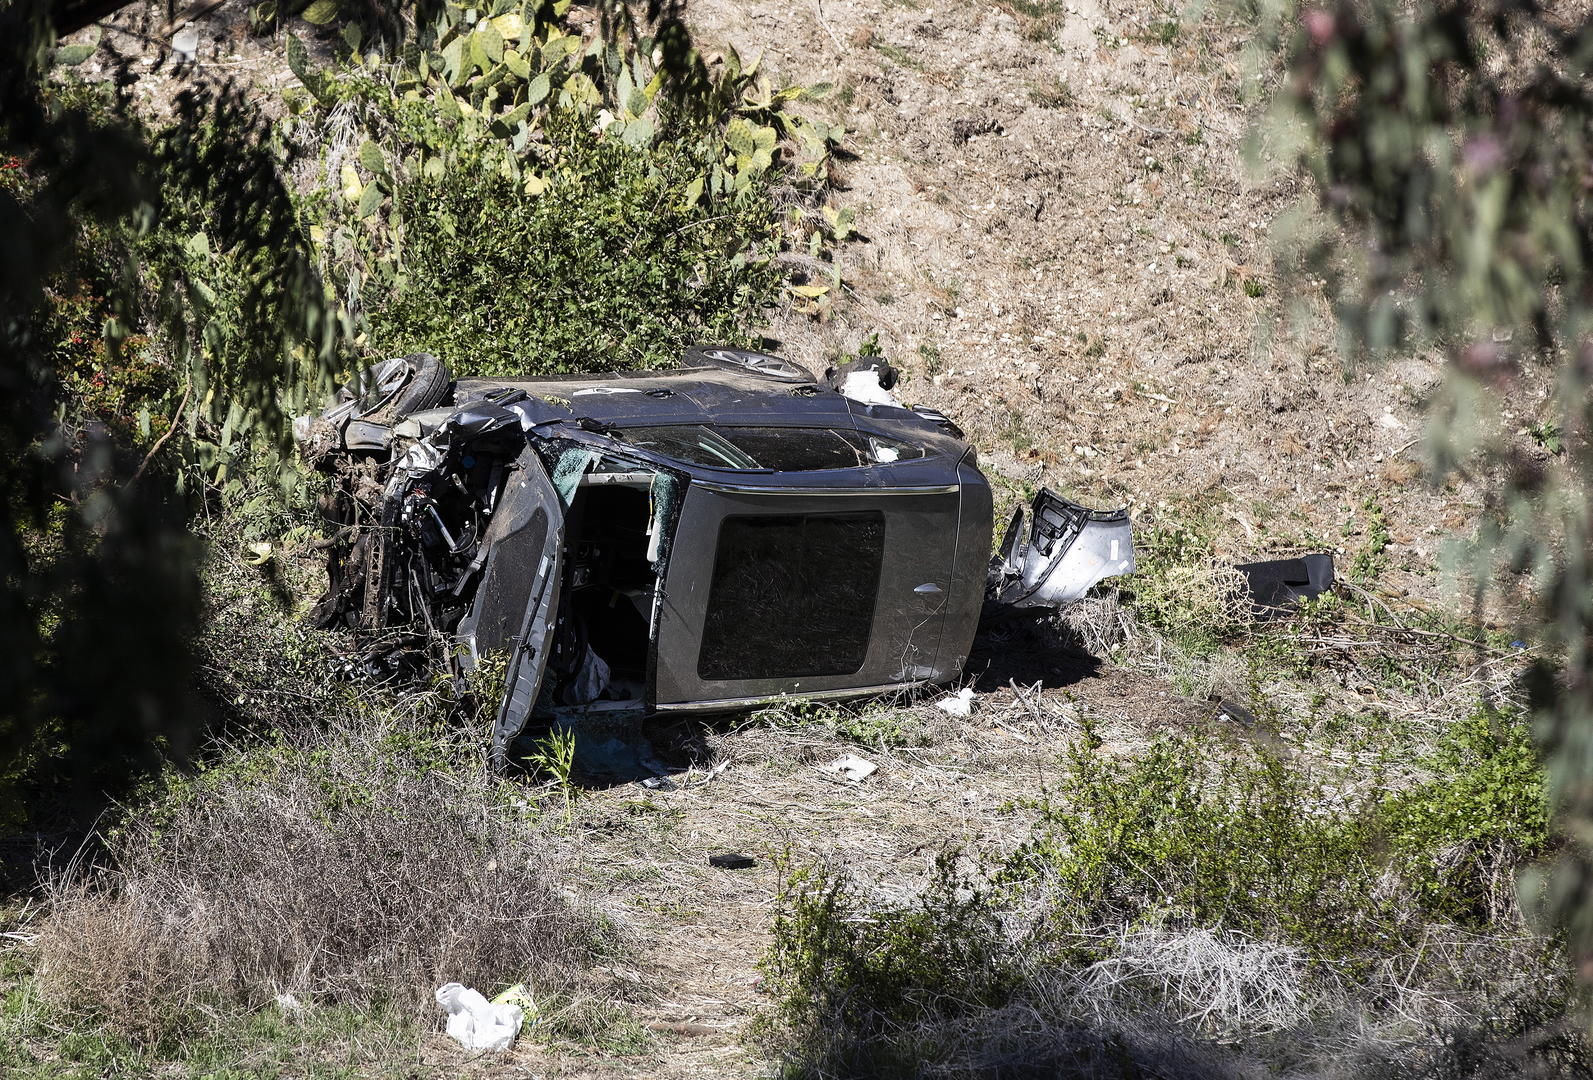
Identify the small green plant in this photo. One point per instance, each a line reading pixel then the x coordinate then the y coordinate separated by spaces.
pixel 553 755
pixel 1255 287
pixel 1164 32
pixel 1369 562
pixel 870 724
pixel 1549 436
pixel 1053 93
pixel 899 56
pixel 931 357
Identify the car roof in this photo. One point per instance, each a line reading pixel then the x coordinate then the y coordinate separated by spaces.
pixel 703 396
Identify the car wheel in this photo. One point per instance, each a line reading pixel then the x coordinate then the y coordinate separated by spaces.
pixel 427 386
pixel 395 387
pixel 764 365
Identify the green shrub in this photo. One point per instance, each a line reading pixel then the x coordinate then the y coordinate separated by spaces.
pixel 1459 836
pixel 1202 833
pixel 838 963
pixel 519 194
pixel 611 267
pixel 1197 832
pixel 1182 590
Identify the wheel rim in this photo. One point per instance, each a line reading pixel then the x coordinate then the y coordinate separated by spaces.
pixel 760 363
pixel 378 384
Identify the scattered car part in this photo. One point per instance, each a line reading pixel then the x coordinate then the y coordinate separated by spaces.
pixel 732 861
pixel 1068 550
pixel 1278 584
pixel 851 767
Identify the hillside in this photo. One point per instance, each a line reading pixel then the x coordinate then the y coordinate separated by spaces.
pixel 1061 243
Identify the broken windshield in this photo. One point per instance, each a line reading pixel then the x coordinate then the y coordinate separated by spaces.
pixel 783 449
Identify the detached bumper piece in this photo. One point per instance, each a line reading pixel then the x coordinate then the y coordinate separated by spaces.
pixel 1067 550
pixel 1276 585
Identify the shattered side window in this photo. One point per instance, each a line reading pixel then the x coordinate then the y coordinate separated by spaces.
pixel 796 449
pixel 792 595
pixel 691 443
pixel 782 449
pixel 571 465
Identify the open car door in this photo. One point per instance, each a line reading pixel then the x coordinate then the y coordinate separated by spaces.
pixel 517 601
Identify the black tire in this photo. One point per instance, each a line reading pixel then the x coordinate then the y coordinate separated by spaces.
pixel 763 365
pixel 427 386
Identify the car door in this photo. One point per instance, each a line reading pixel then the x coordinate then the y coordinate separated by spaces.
pixel 805 591
pixel 517 600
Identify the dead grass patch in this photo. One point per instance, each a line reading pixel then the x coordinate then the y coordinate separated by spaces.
pixel 364 864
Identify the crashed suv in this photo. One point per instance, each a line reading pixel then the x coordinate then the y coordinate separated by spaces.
pixel 700 539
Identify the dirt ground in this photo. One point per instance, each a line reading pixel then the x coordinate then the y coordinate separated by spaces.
pixel 1063 247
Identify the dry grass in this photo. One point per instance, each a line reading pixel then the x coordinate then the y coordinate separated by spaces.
pixel 1216 981
pixel 364 863
pixel 1198 1004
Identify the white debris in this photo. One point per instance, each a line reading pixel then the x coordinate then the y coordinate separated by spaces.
pixel 958 704
pixel 852 767
pixel 476 1023
pixel 864 388
pixel 185 44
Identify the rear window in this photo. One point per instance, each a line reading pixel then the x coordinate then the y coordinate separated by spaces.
pixel 784 449
pixel 792 595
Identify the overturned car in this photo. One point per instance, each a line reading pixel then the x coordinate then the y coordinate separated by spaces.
pixel 700 539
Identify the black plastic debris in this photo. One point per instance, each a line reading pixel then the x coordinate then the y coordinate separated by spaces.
pixel 732 862
pixel 1276 585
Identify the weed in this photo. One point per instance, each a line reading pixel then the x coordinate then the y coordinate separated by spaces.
pixel 873 724
pixel 1164 32
pixel 1053 93
pixel 899 56
pixel 1369 563
pixel 1549 436
pixel 1255 287
pixel 932 359
pixel 554 756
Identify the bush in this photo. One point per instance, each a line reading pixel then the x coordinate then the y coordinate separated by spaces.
pixel 1484 811
pixel 528 196
pixel 1200 834
pixel 362 864
pixel 610 268
pixel 1202 890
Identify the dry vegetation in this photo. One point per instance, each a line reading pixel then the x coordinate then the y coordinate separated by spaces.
pixel 363 862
